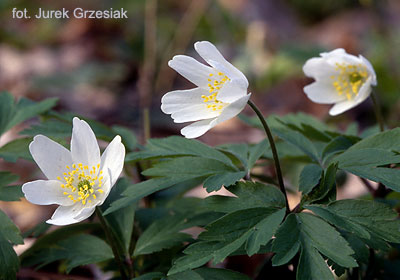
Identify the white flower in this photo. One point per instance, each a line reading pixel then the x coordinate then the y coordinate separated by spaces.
pixel 221 91
pixel 340 78
pixel 79 180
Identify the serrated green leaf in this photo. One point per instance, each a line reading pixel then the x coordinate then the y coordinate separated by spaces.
pixel 121 221
pixel 388 140
pixel 179 146
pixel 30 256
pixel 326 190
pixel 206 273
pixel 264 231
pixel 215 182
pixel 9 193
pixel 309 177
pixel 197 254
pixel 162 234
pixel 9 235
pixel 128 137
pixel 258 194
pixel 313 234
pixel 337 145
pixel 55 128
pixel 366 158
pixel 311 265
pixel 15 113
pixel 150 276
pixel 362 218
pixel 16 149
pixel 256 152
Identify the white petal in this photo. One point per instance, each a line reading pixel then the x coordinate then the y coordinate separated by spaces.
pixel 173 101
pixel 318 68
pixel 187 105
pixel 197 129
pixel 84 146
pixel 45 193
pixel 194 112
pixel 51 157
pixel 370 69
pixel 363 94
pixel 232 109
pixel 112 160
pixel 333 53
pixel 323 92
pixel 213 57
pixel 231 91
pixel 191 69
pixel 64 215
pixel 341 107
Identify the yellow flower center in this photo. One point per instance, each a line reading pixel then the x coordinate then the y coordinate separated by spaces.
pixel 349 79
pixel 82 182
pixel 214 85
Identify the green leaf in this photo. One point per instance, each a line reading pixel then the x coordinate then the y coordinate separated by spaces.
pixel 162 234
pixel 16 149
pixel 326 190
pixel 121 221
pixel 312 235
pixel 15 113
pixel 227 234
pixel 366 158
pixel 264 231
pixel 362 218
pixel 196 255
pixel 299 140
pixel 84 249
pixel 135 192
pixel 215 182
pixel 76 250
pixel 250 195
pixel 388 140
pixel 9 235
pixel 128 137
pixel 31 256
pixel 311 265
pixel 338 145
pixel 309 177
pixel 54 128
pixel 179 146
pixel 256 152
pixel 150 276
pixel 206 273
pixel 9 193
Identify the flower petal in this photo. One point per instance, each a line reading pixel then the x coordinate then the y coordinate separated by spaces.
pixel 112 160
pixel 231 91
pixel 173 101
pixel 45 193
pixel 51 157
pixel 197 129
pixel 213 57
pixel 191 69
pixel 84 146
pixel 323 92
pixel 363 94
pixel 64 215
pixel 318 68
pixel 232 109
pixel 370 69
pixel 187 105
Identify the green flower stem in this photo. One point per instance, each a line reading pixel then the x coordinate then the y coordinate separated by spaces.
pixel 273 149
pixel 378 112
pixel 112 242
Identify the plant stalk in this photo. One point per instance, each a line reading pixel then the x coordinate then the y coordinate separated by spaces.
pixel 274 151
pixel 112 242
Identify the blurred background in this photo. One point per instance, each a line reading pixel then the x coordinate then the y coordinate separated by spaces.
pixel 115 70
